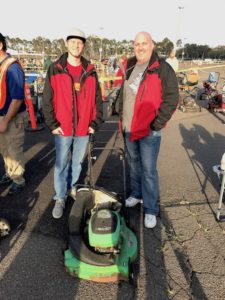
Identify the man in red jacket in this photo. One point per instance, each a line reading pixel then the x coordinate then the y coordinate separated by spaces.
pixel 148 98
pixel 72 106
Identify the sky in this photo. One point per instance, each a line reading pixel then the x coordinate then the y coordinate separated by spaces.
pixel 194 21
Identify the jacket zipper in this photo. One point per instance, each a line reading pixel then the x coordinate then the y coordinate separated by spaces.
pixel 142 93
pixel 86 75
pixel 142 79
pixel 74 109
pixel 74 101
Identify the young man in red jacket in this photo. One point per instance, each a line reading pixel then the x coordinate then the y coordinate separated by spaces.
pixel 148 98
pixel 72 107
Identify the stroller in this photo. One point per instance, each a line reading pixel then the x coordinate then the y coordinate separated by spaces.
pixel 187 91
pixel 210 86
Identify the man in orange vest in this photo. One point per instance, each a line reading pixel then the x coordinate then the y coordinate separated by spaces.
pixel 12 119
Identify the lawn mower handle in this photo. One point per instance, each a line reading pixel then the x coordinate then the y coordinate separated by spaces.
pixel 89 178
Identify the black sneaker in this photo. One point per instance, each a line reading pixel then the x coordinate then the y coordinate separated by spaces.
pixel 5 179
pixel 15 188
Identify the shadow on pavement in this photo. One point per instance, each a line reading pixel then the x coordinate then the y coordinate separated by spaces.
pixel 32 265
pixel 32 261
pixel 149 279
pixel 17 209
pixel 206 152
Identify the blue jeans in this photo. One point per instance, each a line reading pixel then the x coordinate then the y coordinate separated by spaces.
pixel 142 159
pixel 70 151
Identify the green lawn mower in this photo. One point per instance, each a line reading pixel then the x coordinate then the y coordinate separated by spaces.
pixel 101 247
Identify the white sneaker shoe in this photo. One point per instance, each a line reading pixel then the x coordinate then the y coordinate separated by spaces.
pixel 131 201
pixel 150 221
pixel 57 211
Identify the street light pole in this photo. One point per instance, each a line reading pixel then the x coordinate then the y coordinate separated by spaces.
pixel 180 8
pixel 183 52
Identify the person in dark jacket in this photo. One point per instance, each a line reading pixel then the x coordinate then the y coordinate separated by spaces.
pixel 148 98
pixel 72 106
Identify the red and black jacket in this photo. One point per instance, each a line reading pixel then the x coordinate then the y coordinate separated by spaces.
pixel 62 105
pixel 156 99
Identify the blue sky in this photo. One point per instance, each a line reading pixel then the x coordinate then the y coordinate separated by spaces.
pixel 199 21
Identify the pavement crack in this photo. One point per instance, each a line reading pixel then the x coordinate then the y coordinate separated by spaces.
pixel 170 290
pixel 181 254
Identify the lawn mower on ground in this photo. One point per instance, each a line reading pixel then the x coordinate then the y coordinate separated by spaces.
pixel 187 92
pixel 210 86
pixel 217 102
pixel 101 246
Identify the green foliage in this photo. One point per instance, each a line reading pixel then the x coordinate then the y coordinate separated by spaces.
pixel 47 62
pixel 114 48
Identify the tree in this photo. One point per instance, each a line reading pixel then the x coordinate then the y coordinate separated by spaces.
pixel 179 43
pixel 164 47
pixel 113 47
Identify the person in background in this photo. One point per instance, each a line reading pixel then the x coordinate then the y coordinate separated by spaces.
pixel 72 106
pixel 118 81
pixel 120 71
pixel 148 98
pixel 13 119
pixel 172 60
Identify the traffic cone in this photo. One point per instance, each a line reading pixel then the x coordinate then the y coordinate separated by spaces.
pixel 102 85
pixel 30 106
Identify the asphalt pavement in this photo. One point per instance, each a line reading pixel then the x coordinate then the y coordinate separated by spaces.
pixel 183 257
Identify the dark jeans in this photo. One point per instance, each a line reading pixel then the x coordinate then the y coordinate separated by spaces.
pixel 142 159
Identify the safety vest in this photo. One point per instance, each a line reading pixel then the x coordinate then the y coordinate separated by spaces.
pixel 3 70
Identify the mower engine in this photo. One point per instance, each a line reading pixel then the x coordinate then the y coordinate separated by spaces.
pixel 102 248
pixel 104 231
